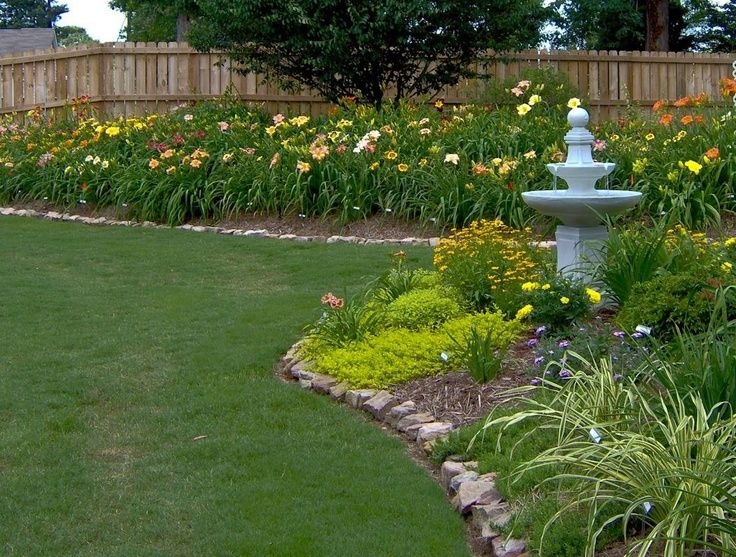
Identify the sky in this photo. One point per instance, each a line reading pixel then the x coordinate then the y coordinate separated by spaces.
pixel 101 22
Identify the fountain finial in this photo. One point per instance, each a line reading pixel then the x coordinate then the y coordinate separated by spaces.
pixel 579 140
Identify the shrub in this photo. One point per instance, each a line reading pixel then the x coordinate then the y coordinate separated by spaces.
pixel 392 356
pixel 669 302
pixel 422 308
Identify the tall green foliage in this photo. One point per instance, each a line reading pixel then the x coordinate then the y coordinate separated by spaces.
pixel 362 48
pixel 16 14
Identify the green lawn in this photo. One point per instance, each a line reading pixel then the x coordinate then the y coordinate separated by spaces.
pixel 139 414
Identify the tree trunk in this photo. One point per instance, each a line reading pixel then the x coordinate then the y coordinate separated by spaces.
pixel 182 27
pixel 658 23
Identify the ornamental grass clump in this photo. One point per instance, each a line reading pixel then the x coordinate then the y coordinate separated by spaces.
pixel 633 454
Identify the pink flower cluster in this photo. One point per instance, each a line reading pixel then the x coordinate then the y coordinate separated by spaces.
pixel 333 301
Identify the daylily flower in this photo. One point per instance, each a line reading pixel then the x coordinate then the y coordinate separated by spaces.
pixel 452 158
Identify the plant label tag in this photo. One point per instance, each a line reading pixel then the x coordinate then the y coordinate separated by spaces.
pixel 595 436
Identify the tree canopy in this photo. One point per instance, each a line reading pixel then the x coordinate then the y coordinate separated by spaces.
pixel 156 20
pixel 674 25
pixel 17 14
pixel 69 35
pixel 364 48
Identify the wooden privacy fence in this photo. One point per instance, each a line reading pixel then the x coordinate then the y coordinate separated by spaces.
pixel 133 78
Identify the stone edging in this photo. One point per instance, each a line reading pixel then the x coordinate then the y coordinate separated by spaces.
pixel 474 496
pixel 258 233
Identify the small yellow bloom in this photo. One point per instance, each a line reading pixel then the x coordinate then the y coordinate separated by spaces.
pixel 299 120
pixel 112 131
pixel 195 163
pixel 403 167
pixel 374 165
pixel 391 155
pixel 302 167
pixel 171 170
pixel 534 99
pixel 529 286
pixel 730 242
pixel 530 155
pixel 153 164
pixel 693 166
pixel 546 286
pixel 452 158
pixel 639 165
pixel 564 300
pixel 423 162
pixel 523 108
pixel 593 296
pixel 726 266
pixel 524 312
pixel 573 103
pixel 649 136
pixel 227 157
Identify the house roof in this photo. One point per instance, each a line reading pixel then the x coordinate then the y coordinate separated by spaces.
pixel 25 40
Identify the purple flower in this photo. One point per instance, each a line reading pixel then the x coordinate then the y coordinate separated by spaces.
pixel 538 360
pixel 618 377
pixel 532 342
pixel 536 381
pixel 637 334
pixel 564 344
pixel 565 374
pixel 540 331
pixel 619 334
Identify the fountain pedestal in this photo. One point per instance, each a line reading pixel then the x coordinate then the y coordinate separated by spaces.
pixel 579 249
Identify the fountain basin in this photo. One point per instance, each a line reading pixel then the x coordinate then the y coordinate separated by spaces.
pixel 581 209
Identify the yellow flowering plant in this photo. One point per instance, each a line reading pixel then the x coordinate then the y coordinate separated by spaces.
pixel 488 262
pixel 555 302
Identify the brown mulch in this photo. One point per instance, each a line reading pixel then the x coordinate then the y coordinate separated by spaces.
pixel 459 399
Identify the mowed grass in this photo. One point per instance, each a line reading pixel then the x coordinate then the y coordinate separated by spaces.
pixel 139 414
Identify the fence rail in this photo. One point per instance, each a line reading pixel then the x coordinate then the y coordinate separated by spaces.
pixel 133 78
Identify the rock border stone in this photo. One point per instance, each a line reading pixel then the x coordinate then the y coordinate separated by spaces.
pixel 474 496
pixel 257 233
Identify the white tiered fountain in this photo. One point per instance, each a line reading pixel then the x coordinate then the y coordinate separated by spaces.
pixel 581 207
